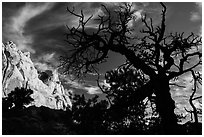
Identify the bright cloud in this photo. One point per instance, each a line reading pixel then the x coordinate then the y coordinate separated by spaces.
pixel 43 66
pixel 93 90
pixel 89 88
pixel 87 14
pixel 195 16
pixel 15 28
pixel 46 62
pixel 48 57
pixel 136 16
pixel 94 12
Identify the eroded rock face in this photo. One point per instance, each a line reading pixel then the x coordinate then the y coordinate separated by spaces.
pixel 19 71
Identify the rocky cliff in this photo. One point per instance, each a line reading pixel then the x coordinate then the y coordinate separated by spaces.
pixel 19 71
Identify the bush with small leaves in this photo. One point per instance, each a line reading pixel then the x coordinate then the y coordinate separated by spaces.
pixel 18 98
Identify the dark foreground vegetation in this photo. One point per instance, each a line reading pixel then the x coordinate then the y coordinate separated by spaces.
pixel 87 117
pixel 45 121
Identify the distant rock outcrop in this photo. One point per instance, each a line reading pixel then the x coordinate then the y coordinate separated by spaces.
pixel 19 71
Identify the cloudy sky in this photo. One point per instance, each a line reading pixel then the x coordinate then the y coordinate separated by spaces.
pixel 40 29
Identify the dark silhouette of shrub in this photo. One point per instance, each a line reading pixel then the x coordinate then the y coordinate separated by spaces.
pixel 18 98
pixel 91 116
pixel 36 121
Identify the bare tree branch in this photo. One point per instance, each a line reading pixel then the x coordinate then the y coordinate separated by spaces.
pixel 155 54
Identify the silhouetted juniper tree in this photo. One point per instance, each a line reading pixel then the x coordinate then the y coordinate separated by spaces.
pixel 91 116
pixel 161 56
pixel 88 115
pixel 18 98
pixel 128 113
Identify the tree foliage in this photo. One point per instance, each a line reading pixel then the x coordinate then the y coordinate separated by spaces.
pixel 18 99
pixel 125 82
pixel 88 115
pixel 95 117
pixel 123 113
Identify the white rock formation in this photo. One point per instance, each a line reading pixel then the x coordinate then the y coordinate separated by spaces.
pixel 18 70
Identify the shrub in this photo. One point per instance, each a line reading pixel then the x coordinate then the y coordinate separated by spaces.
pixel 18 98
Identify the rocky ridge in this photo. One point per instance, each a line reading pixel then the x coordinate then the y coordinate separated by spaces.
pixel 18 70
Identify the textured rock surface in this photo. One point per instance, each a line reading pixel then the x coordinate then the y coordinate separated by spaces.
pixel 19 71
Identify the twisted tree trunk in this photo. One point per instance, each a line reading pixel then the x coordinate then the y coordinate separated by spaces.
pixel 165 105
pixel 159 83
